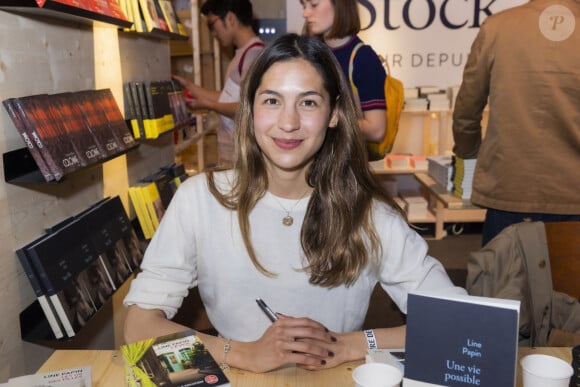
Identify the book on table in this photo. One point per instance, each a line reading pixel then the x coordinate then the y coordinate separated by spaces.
pixel 460 340
pixel 69 377
pixel 178 360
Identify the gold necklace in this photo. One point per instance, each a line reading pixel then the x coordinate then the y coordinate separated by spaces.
pixel 288 220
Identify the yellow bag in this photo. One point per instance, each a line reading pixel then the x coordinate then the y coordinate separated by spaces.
pixel 395 99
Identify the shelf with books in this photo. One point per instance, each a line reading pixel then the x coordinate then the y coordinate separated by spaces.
pixel 63 10
pixel 74 269
pixel 20 167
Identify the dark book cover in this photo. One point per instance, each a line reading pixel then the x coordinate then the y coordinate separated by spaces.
pixel 130 113
pixel 39 291
pixel 181 114
pixel 159 107
pixel 178 360
pixel 60 260
pixel 139 89
pixel 116 120
pixel 14 114
pixel 67 111
pixel 461 340
pixel 97 122
pixel 52 140
pixel 106 240
pixel 139 114
pixel 131 245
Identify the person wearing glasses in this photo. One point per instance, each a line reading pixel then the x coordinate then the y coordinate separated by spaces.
pixel 231 22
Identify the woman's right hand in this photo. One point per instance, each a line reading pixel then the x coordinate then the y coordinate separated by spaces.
pixel 288 340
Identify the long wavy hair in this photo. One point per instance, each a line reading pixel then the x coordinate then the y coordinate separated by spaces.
pixel 338 236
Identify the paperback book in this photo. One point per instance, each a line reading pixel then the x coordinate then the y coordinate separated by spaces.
pixel 461 340
pixel 178 360
pixel 71 377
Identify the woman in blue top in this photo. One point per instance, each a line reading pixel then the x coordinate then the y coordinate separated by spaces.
pixel 338 23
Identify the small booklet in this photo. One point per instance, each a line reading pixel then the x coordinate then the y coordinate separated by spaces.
pixel 460 340
pixel 178 360
pixel 72 377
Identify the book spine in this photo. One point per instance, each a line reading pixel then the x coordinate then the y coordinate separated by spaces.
pixel 146 114
pixel 142 214
pixel 39 292
pixel 130 110
pixel 62 314
pixel 14 115
pixel 138 107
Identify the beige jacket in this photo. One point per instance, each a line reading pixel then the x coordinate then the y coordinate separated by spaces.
pixel 516 265
pixel 530 158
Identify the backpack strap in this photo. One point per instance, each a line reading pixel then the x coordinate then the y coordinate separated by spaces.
pixel 241 64
pixel 351 67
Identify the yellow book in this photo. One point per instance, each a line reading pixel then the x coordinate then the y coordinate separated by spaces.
pixel 153 203
pixel 142 213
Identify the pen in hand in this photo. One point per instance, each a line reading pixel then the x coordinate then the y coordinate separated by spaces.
pixel 269 312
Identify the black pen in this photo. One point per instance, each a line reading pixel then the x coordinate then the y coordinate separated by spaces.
pixel 269 312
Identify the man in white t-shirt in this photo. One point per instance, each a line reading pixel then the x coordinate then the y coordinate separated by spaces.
pixel 231 22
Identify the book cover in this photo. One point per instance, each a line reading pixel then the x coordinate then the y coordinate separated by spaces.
pixel 122 226
pixel 60 260
pixel 14 115
pixel 156 94
pixel 39 291
pixel 461 341
pixel 149 12
pixel 52 140
pixel 122 132
pixel 96 120
pixel 178 360
pixel 169 15
pixel 105 240
pixel 64 108
pixel 138 202
pixel 70 377
pixel 161 17
pixel 153 203
pixel 130 114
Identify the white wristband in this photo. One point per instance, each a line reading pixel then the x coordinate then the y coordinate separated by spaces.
pixel 371 339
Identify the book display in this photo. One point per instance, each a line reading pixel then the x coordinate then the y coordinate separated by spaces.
pixel 179 359
pixel 461 341
pixel 154 108
pixel 65 132
pixel 152 195
pixel 75 268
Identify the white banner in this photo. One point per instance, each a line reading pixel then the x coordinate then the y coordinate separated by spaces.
pixel 426 42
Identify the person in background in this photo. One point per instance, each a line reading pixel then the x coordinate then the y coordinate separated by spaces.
pixel 526 61
pixel 232 23
pixel 337 23
pixel 299 221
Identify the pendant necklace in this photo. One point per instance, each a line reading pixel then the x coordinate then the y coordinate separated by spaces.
pixel 288 220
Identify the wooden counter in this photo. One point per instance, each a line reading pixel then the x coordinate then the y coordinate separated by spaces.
pixel 107 370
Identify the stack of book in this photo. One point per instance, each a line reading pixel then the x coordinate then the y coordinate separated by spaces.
pixel 152 195
pixel 441 170
pixel 463 170
pixel 67 131
pixel 415 205
pixel 438 101
pixel 77 265
pixel 153 108
pixel 418 104
pixel 152 15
